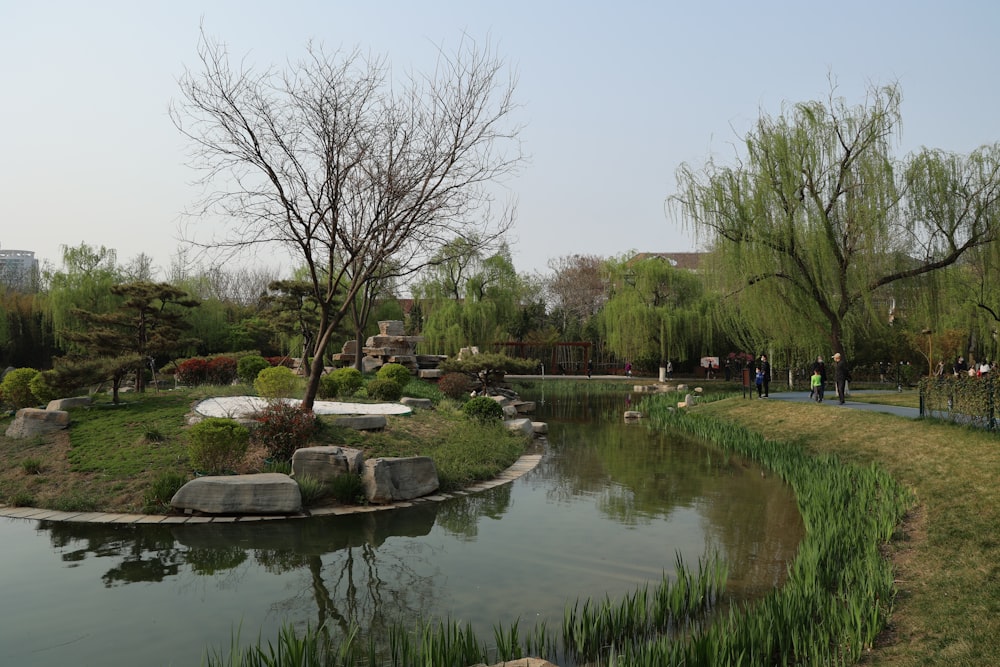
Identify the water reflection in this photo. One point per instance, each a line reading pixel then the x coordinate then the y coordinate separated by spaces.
pixel 606 510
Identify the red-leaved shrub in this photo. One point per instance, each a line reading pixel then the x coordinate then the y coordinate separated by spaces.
pixel 192 372
pixel 282 428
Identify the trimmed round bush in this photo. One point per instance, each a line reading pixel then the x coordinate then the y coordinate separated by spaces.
pixel 483 408
pixel 42 390
pixel 349 380
pixel 276 382
pixel 382 389
pixel 398 373
pixel 328 387
pixel 249 366
pixel 455 385
pixel 217 445
pixel 16 388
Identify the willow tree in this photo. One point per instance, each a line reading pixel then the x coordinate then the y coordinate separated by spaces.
pixel 818 222
pixel 654 310
pixel 349 169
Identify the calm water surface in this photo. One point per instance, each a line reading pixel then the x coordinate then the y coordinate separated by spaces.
pixel 608 509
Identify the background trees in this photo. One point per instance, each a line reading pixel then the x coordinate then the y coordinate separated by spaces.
pixel 818 221
pixel 348 169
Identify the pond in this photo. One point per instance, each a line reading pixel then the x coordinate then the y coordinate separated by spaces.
pixel 608 509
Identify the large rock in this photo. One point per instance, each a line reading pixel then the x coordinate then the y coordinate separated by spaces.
pixel 422 403
pixel 263 493
pixel 67 403
pixel 326 463
pixel 389 479
pixel 521 425
pixel 31 422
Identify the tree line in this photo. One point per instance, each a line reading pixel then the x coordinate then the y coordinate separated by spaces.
pixel 817 237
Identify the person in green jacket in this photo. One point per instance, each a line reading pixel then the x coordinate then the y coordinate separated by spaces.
pixel 816 386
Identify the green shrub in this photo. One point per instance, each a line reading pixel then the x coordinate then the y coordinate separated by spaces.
pixel 16 388
pixel 311 490
pixel 157 498
pixel 281 428
pixel 249 367
pixel 31 466
pixel 383 389
pixel 217 445
pixel 348 489
pixel 418 388
pixel 398 373
pixel 276 382
pixel 455 385
pixel 328 387
pixel 348 379
pixel 42 390
pixel 483 408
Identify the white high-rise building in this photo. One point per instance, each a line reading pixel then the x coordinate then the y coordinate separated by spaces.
pixel 18 270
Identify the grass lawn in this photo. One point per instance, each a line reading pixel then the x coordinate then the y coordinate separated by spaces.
pixel 111 456
pixel 947 554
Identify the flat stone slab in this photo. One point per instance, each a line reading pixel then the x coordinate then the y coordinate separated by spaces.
pixel 263 493
pixel 67 403
pixel 237 407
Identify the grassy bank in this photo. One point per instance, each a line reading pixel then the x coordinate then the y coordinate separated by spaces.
pixel 113 455
pixel 947 555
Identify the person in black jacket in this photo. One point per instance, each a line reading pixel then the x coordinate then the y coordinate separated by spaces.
pixel 841 376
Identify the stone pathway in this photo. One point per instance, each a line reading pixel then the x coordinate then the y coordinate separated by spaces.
pixel 523 465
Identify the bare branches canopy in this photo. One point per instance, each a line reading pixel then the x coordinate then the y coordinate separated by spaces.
pixel 351 170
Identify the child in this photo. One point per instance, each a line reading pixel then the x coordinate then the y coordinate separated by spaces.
pixel 816 386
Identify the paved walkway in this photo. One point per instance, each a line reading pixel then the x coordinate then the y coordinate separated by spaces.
pixel 234 407
pixel 830 399
pixel 525 464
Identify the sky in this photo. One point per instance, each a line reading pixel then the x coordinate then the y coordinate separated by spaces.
pixel 614 98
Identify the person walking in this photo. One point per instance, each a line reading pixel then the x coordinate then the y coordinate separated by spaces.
pixel 820 367
pixel 841 376
pixel 764 377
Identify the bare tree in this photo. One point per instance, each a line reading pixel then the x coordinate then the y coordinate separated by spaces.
pixel 350 172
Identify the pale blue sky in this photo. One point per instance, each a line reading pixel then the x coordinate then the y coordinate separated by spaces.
pixel 615 97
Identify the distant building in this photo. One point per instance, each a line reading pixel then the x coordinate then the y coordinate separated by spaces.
pixel 18 270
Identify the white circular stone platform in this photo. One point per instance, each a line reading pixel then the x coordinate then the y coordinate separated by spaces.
pixel 235 407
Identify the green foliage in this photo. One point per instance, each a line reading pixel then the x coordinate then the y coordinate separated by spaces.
pixel 349 380
pixel 217 445
pixel 417 388
pixel 42 389
pixel 398 373
pixel 312 490
pixel 328 387
pixel 383 389
pixel 157 497
pixel 281 428
pixel 31 466
pixel 348 488
pixel 483 408
pixel 16 388
pixel 455 385
pixel 276 382
pixel 249 367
